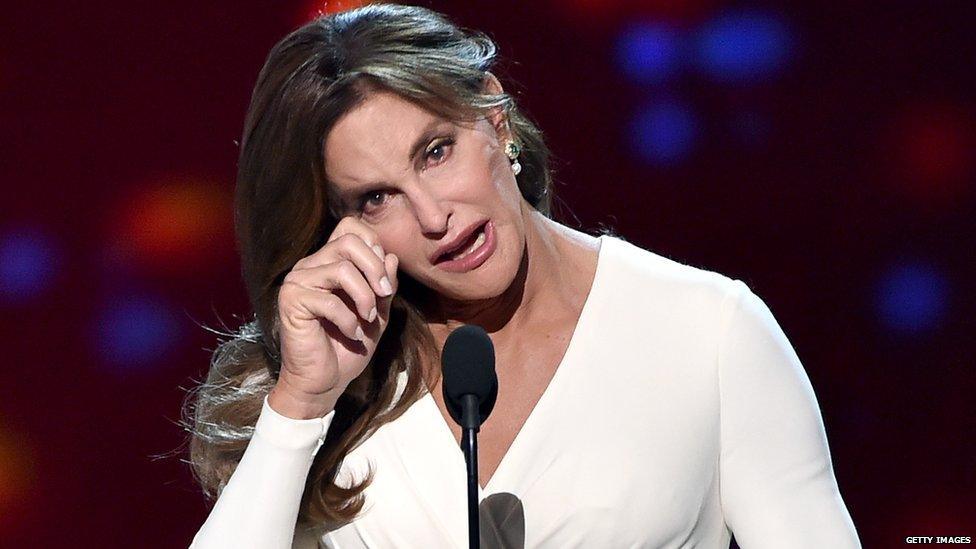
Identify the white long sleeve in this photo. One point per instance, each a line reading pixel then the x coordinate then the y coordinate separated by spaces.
pixel 777 482
pixel 259 506
pixel 678 415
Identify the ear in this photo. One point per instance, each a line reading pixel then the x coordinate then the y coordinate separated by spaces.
pixel 497 116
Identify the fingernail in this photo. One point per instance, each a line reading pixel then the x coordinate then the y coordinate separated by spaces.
pixel 360 335
pixel 385 285
pixel 378 251
pixel 372 314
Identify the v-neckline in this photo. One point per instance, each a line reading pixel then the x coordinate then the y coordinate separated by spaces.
pixel 544 399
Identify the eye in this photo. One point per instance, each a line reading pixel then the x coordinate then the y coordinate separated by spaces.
pixel 371 201
pixel 438 152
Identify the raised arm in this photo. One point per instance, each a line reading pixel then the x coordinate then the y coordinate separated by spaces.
pixel 333 307
pixel 777 482
pixel 259 505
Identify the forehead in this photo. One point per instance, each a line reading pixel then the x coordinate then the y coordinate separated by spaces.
pixel 374 137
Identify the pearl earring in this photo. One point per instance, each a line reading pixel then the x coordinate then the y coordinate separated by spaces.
pixel 512 151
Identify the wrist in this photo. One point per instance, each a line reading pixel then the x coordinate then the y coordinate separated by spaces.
pixel 294 405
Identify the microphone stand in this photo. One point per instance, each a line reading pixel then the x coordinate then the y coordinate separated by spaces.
pixel 469 445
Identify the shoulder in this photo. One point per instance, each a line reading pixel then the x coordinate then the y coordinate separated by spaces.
pixel 645 296
pixel 701 308
pixel 639 275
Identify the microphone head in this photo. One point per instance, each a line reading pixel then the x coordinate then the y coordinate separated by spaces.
pixel 468 364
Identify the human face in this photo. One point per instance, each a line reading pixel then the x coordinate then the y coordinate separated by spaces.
pixel 420 182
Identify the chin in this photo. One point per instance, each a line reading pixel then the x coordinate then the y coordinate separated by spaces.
pixel 474 285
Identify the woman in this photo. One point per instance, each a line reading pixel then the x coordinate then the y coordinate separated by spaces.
pixel 389 191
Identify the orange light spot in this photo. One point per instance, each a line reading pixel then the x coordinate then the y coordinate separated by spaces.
pixel 317 8
pixel 17 474
pixel 176 223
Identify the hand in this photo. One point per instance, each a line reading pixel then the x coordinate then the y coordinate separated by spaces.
pixel 333 307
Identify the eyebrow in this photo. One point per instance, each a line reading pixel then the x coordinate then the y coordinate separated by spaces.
pixel 429 132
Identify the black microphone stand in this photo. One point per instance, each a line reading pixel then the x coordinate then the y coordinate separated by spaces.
pixel 469 445
pixel 470 388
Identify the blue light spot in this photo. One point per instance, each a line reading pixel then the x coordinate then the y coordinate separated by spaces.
pixel 134 331
pixel 912 297
pixel 650 52
pixel 743 46
pixel 28 262
pixel 664 133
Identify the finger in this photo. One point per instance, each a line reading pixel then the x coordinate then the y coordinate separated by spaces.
pixel 391 263
pixel 342 275
pixel 368 259
pixel 327 252
pixel 351 225
pixel 351 243
pixel 305 304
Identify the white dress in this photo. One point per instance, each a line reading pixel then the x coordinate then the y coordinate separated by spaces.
pixel 679 414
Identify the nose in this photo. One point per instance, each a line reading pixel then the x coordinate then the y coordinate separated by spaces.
pixel 432 213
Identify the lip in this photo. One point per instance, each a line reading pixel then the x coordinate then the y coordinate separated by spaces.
pixel 458 240
pixel 474 259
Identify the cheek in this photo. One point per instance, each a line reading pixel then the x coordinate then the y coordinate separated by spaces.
pixel 494 176
pixel 504 182
pixel 401 240
pixel 396 242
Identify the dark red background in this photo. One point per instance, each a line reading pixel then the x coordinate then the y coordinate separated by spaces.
pixel 102 99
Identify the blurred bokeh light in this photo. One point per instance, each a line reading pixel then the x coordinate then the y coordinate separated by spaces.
pixel 29 259
pixel 912 297
pixel 743 46
pixel 134 332
pixel 651 52
pixel 930 149
pixel 173 224
pixel 17 475
pixel 664 132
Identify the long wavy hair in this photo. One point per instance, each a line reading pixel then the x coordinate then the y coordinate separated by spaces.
pixel 284 212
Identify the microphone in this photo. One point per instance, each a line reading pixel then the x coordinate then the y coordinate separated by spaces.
pixel 470 388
